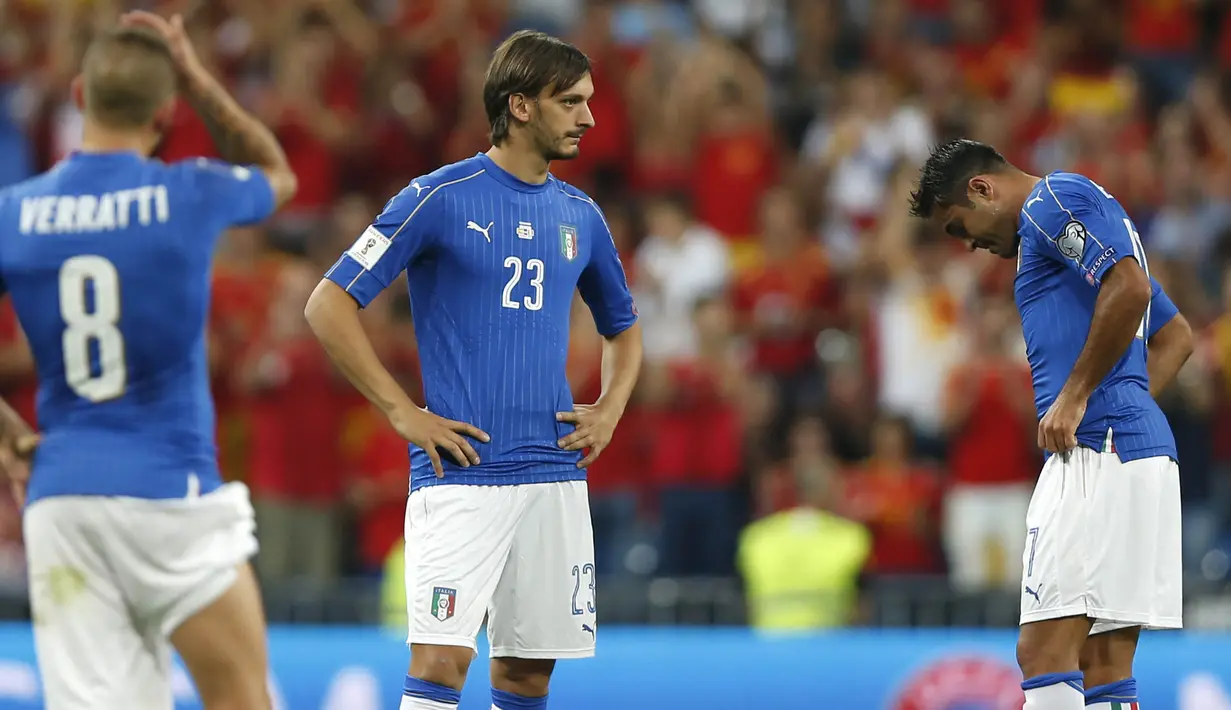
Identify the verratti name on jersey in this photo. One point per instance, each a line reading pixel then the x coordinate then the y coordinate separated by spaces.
pixel 492 265
pixel 1072 233
pixel 107 258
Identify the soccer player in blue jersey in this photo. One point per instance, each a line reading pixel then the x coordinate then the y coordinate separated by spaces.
pixel 1102 559
pixel 134 543
pixel 494 248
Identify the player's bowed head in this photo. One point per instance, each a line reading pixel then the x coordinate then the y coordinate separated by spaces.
pixel 972 193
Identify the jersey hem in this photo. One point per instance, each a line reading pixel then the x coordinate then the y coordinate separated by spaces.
pixel 1128 455
pixel 535 654
pixel 515 479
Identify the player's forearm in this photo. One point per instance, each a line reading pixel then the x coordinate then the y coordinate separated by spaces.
pixel 334 317
pixel 621 366
pixel 1118 310
pixel 1169 349
pixel 239 137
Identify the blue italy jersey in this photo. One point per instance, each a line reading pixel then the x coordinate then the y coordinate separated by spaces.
pixel 107 258
pixel 1071 233
pixel 492 265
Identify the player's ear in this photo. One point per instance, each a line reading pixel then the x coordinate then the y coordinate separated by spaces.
pixel 76 89
pixel 164 117
pixel 519 107
pixel 980 187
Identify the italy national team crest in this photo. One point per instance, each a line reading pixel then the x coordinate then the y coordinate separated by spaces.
pixel 568 241
pixel 443 601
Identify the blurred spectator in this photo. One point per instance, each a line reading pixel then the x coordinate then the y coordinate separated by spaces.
pixel 989 417
pixel 696 454
pixel 295 476
pixel 854 153
pixel 898 500
pixel 801 566
pixel 918 333
pixel 680 262
pixel 782 300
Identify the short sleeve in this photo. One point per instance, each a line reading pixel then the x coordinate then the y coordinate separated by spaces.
pixel 1162 309
pixel 398 235
pixel 1080 225
pixel 603 284
pixel 238 194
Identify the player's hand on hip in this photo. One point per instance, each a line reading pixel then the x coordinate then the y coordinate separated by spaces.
pixel 15 456
pixel 1058 428
pixel 434 434
pixel 172 31
pixel 595 425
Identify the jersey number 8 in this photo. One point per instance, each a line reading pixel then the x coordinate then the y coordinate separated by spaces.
pixel 92 323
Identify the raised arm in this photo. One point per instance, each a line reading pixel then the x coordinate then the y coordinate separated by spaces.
pixel 239 137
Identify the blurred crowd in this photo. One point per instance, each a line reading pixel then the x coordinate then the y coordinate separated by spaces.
pixel 831 392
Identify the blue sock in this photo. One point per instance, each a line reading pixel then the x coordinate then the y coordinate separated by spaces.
pixel 1119 694
pixel 512 701
pixel 418 693
pixel 1054 691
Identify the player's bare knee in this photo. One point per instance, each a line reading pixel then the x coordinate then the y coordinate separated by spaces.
pixel 442 665
pixel 524 676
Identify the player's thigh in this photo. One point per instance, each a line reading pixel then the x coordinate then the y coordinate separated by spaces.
pixel 1134 549
pixel 1054 557
pixel 458 540
pixel 544 606
pixel 223 646
pixel 90 653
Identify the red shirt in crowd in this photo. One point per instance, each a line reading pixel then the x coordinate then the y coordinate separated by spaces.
pixel 622 466
pixel 1162 26
pixel 731 173
pixel 995 444
pixel 385 464
pixel 899 506
pixel 296 426
pixel 789 290
pixel 240 302
pixel 698 440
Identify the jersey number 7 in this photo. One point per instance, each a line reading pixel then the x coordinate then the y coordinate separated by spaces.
pixel 96 323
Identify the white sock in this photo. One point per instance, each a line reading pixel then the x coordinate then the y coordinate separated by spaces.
pixel 409 703
pixel 1055 691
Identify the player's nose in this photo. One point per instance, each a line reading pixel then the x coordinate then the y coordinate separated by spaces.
pixel 585 120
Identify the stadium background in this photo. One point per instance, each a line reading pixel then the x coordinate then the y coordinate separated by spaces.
pixel 834 426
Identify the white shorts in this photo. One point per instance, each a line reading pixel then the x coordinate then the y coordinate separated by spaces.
pixel 521 555
pixel 1103 541
pixel 111 578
